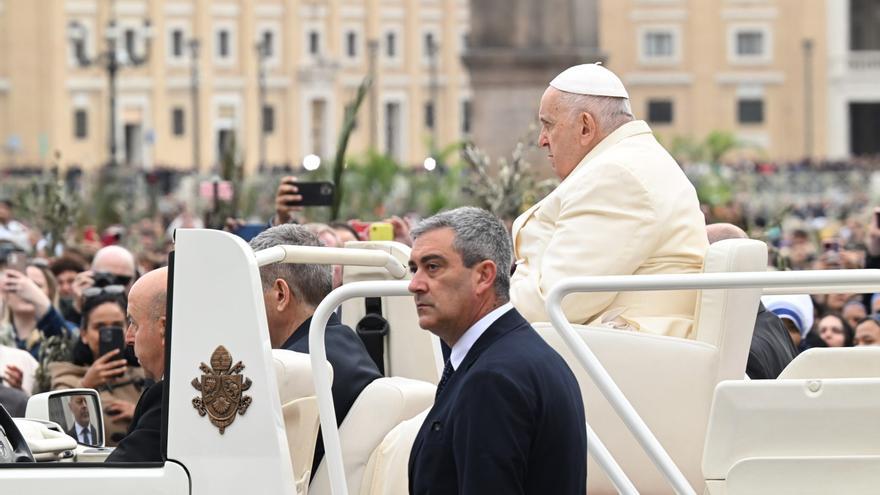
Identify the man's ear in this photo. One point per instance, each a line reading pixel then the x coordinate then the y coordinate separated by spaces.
pixel 282 295
pixel 484 273
pixel 588 128
pixel 162 328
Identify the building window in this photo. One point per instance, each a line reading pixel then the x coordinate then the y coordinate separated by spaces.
pixel 750 111
pixel 129 43
pixel 660 111
pixel 429 115
pixel 351 44
pixel 391 45
pixel 314 43
pixel 749 43
pixel 466 115
pixel 79 49
pixel 658 45
pixel 223 43
pixel 430 45
pixel 863 32
pixel 268 44
pixel 177 43
pixel 80 124
pixel 177 121
pixel 392 129
pixel 269 119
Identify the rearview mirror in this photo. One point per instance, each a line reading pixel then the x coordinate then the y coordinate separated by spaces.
pixel 77 411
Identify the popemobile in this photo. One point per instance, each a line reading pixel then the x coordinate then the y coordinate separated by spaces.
pixel 665 415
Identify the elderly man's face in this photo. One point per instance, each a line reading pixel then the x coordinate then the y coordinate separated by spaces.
pixel 562 134
pixel 146 332
pixel 79 407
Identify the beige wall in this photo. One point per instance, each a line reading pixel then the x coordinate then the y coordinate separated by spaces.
pixel 40 88
pixel 704 81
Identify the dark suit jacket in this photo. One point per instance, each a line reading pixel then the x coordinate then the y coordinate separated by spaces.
pixel 771 349
pixel 510 420
pixel 92 432
pixel 142 443
pixel 353 369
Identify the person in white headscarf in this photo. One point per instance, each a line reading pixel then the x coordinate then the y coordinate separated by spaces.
pixel 624 207
pixel 796 313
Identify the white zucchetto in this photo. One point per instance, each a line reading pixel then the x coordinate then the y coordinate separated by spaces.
pixel 589 79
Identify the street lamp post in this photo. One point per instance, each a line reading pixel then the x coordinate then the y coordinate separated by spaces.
pixel 194 95
pixel 111 60
pixel 262 48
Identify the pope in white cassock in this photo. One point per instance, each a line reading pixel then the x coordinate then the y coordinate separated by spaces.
pixel 624 207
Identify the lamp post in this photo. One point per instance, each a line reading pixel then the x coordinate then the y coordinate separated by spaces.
pixel 262 47
pixel 194 95
pixel 111 60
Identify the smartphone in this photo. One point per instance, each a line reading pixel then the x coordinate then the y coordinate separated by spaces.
pixel 381 231
pixel 249 231
pixel 16 260
pixel 313 194
pixel 110 338
pixel 832 246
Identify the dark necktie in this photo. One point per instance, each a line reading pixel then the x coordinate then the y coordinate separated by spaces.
pixel 86 438
pixel 447 372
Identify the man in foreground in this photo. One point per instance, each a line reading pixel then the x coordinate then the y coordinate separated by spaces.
pixel 146 332
pixel 508 415
pixel 624 207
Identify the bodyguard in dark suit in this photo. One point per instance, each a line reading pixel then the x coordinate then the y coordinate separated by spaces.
pixel 291 292
pixel 82 430
pixel 142 443
pixel 508 416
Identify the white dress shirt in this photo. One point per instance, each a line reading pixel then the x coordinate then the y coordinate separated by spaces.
pixel 81 433
pixel 464 344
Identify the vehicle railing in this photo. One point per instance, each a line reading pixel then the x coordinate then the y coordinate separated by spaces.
pixel 331 256
pixel 326 410
pixel 801 282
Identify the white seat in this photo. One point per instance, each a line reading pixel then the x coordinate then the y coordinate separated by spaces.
pixel 387 471
pixel 810 436
pixel 299 406
pixel 381 406
pixel 668 380
pixel 835 362
pixel 409 351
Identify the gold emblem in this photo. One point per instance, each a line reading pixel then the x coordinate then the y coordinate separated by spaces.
pixel 221 389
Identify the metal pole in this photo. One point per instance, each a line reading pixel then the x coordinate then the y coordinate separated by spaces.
pixel 434 90
pixel 808 98
pixel 262 50
pixel 112 69
pixel 194 94
pixel 373 50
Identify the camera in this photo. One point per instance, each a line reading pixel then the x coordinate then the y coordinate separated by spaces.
pixel 103 279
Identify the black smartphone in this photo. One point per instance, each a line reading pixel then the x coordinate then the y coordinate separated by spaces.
pixel 110 338
pixel 314 194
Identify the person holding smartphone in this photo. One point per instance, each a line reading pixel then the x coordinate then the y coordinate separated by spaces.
pixel 105 369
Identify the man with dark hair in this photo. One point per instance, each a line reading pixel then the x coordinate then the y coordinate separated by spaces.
pixel 508 416
pixel 291 293
pixel 66 268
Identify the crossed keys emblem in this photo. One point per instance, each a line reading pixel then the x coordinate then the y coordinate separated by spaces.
pixel 221 386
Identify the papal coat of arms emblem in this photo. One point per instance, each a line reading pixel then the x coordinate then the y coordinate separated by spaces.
pixel 221 389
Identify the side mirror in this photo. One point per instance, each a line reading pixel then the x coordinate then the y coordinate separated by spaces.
pixel 77 411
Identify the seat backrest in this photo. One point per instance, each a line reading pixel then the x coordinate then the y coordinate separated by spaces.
pixel 774 420
pixel 382 405
pixel 835 362
pixel 387 472
pixel 726 318
pixel 410 352
pixel 299 408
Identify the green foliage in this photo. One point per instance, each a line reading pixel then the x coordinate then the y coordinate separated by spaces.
pixel 342 144
pixel 50 207
pixel 505 190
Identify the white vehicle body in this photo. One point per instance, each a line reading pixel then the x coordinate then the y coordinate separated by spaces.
pixel 748 442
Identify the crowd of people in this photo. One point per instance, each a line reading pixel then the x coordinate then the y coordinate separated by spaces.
pixel 623 207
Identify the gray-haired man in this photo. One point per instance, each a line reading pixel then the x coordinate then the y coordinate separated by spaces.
pixel 291 292
pixel 508 416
